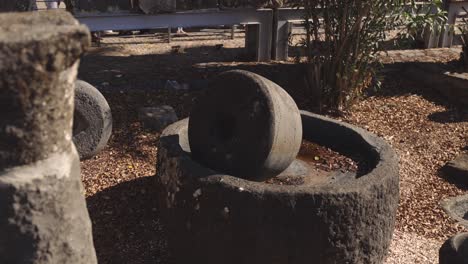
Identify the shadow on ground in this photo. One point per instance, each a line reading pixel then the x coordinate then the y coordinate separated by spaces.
pixel 454 115
pixel 149 72
pixel 450 179
pixel 126 226
pixel 116 67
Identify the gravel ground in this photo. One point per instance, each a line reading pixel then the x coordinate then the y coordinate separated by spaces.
pixel 411 248
pixel 130 71
pixel 425 135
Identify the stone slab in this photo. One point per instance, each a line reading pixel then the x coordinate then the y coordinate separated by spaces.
pixel 452 85
pixel 457 208
pixel 157 118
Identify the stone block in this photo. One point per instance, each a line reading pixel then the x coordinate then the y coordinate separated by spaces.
pixel 157 118
pixel 457 208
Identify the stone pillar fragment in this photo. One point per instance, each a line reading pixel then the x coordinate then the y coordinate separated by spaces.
pixel 43 215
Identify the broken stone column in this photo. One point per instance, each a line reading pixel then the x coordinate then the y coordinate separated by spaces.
pixel 43 215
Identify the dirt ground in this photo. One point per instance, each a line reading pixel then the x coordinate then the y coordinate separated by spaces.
pixel 131 71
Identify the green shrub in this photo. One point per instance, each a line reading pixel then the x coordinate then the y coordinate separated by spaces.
pixel 419 21
pixel 342 41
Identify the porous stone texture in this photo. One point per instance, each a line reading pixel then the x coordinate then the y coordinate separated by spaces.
pixel 457 169
pixel 245 125
pixel 44 217
pixel 157 118
pixel 454 250
pixel 217 218
pixel 92 121
pixel 457 208
pixel 452 85
pixel 39 54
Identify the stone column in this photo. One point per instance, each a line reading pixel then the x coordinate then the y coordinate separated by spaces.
pixel 43 215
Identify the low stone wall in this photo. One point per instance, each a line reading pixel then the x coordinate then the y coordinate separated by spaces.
pixel 437 69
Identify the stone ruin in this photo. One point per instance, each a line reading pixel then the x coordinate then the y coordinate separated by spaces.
pixel 210 215
pixel 44 218
pixel 218 207
pixel 43 211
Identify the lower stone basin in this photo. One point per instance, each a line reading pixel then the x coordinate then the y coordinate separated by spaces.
pixel 217 218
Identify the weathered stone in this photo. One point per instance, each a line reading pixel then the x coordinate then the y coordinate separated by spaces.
pixel 457 208
pixel 92 122
pixel 449 83
pixel 157 118
pixel 43 215
pixel 457 169
pixel 212 217
pixel 39 54
pixel 454 250
pixel 245 125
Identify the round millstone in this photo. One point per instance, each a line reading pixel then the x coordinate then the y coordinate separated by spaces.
pixel 245 125
pixel 92 125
